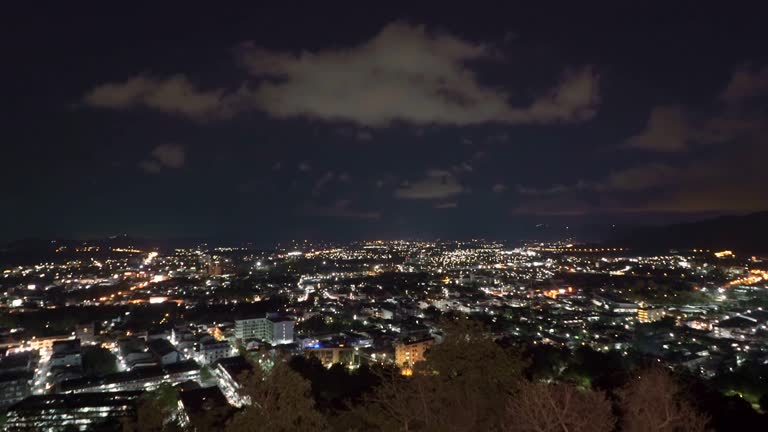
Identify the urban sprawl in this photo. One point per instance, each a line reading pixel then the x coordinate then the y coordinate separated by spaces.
pixel 88 332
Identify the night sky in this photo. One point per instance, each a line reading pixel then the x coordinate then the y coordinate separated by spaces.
pixel 344 122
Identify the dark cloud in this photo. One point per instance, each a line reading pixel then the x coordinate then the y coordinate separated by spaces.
pixel 164 156
pixel 554 189
pixel 724 183
pixel 464 167
pixel 667 130
pixel 498 138
pixel 150 166
pixel 363 135
pixel 446 205
pixel 170 155
pixel 746 82
pixel 437 184
pixel 322 182
pixel 677 129
pixel 341 209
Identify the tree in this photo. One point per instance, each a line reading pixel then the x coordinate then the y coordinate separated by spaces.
pixel 546 362
pixel 280 401
pixel 469 353
pixel 211 416
pixel 462 385
pixel 156 411
pixel 98 360
pixel 594 369
pixel 398 403
pixel 205 373
pixel 472 377
pixel 540 407
pixel 654 402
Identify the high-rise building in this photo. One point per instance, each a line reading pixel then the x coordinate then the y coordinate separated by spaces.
pixel 272 329
pixel 409 352
pixel 647 315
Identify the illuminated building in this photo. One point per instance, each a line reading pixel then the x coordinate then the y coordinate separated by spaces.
pixel 84 411
pixel 271 329
pixel 45 343
pixel 647 315
pixel 329 355
pixel 145 378
pixel 85 332
pixel 615 304
pixel 209 352
pixel 410 352
pixel 215 268
pixel 737 327
pixel 196 403
pixel 163 351
pixel 66 353
pixel 15 386
pixel 229 371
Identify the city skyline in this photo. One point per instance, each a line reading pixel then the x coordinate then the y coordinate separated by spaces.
pixel 328 122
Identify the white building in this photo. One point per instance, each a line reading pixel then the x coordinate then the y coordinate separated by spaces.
pixel 272 329
pixel 209 352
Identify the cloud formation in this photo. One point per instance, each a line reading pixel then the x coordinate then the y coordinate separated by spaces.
pixel 446 205
pixel 499 188
pixel 675 129
pixel 174 95
pixel 341 209
pixel 437 184
pixel 746 83
pixel 718 184
pixel 405 73
pixel 667 130
pixel 164 156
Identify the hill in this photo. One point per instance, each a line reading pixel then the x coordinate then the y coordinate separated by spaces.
pixel 746 234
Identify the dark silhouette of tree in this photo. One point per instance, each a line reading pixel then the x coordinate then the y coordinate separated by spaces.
pixel 98 360
pixel 398 403
pixel 653 401
pixel 331 387
pixel 205 373
pixel 155 411
pixel 750 380
pixel 540 407
pixel 594 369
pixel 545 362
pixel 280 401
pixel 472 377
pixel 209 419
pixel 462 386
